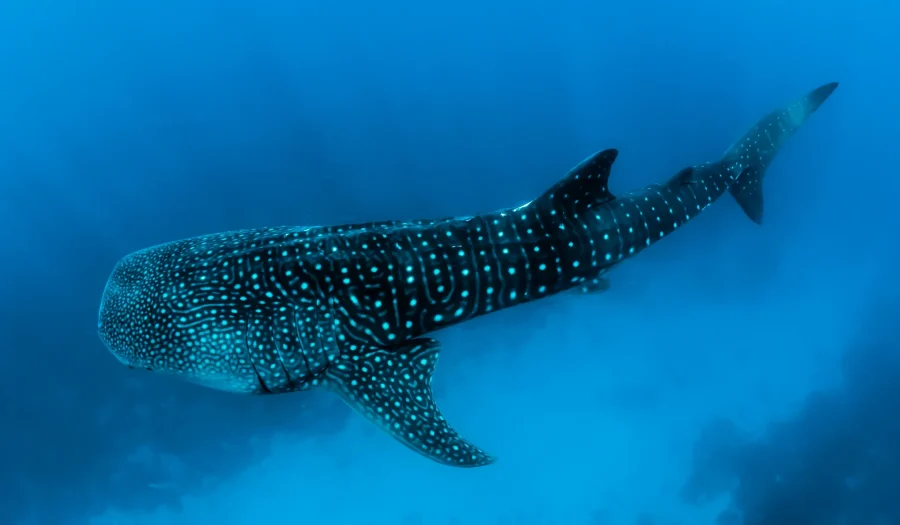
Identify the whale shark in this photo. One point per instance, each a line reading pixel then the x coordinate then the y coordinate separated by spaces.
pixel 350 308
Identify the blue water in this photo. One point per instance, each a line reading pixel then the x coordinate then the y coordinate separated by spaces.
pixel 732 370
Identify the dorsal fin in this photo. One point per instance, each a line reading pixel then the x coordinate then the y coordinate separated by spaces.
pixel 585 185
pixel 682 177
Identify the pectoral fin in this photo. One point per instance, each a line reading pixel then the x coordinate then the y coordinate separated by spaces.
pixel 392 388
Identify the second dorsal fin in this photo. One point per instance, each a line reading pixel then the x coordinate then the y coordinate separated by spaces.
pixel 682 177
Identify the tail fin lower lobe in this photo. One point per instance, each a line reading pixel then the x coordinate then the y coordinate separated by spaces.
pixel 753 154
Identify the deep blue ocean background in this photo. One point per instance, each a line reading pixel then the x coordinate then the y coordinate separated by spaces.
pixel 732 370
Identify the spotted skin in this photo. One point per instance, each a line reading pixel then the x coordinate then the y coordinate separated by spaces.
pixel 348 308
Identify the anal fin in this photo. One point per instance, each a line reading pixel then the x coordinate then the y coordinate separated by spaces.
pixel 392 388
pixel 595 285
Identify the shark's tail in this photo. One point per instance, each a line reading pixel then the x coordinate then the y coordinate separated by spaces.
pixel 753 154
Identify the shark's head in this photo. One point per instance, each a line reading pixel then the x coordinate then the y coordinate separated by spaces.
pixel 126 320
pixel 152 317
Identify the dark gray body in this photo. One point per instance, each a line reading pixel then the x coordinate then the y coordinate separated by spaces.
pixel 348 307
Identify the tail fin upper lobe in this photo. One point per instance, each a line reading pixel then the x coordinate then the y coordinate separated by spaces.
pixel 753 154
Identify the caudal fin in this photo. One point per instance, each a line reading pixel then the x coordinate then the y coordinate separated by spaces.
pixel 753 154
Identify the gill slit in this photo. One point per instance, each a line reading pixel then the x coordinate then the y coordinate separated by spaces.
pixel 287 376
pixel 259 379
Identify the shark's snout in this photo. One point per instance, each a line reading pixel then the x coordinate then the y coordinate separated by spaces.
pixel 119 319
pixel 103 317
